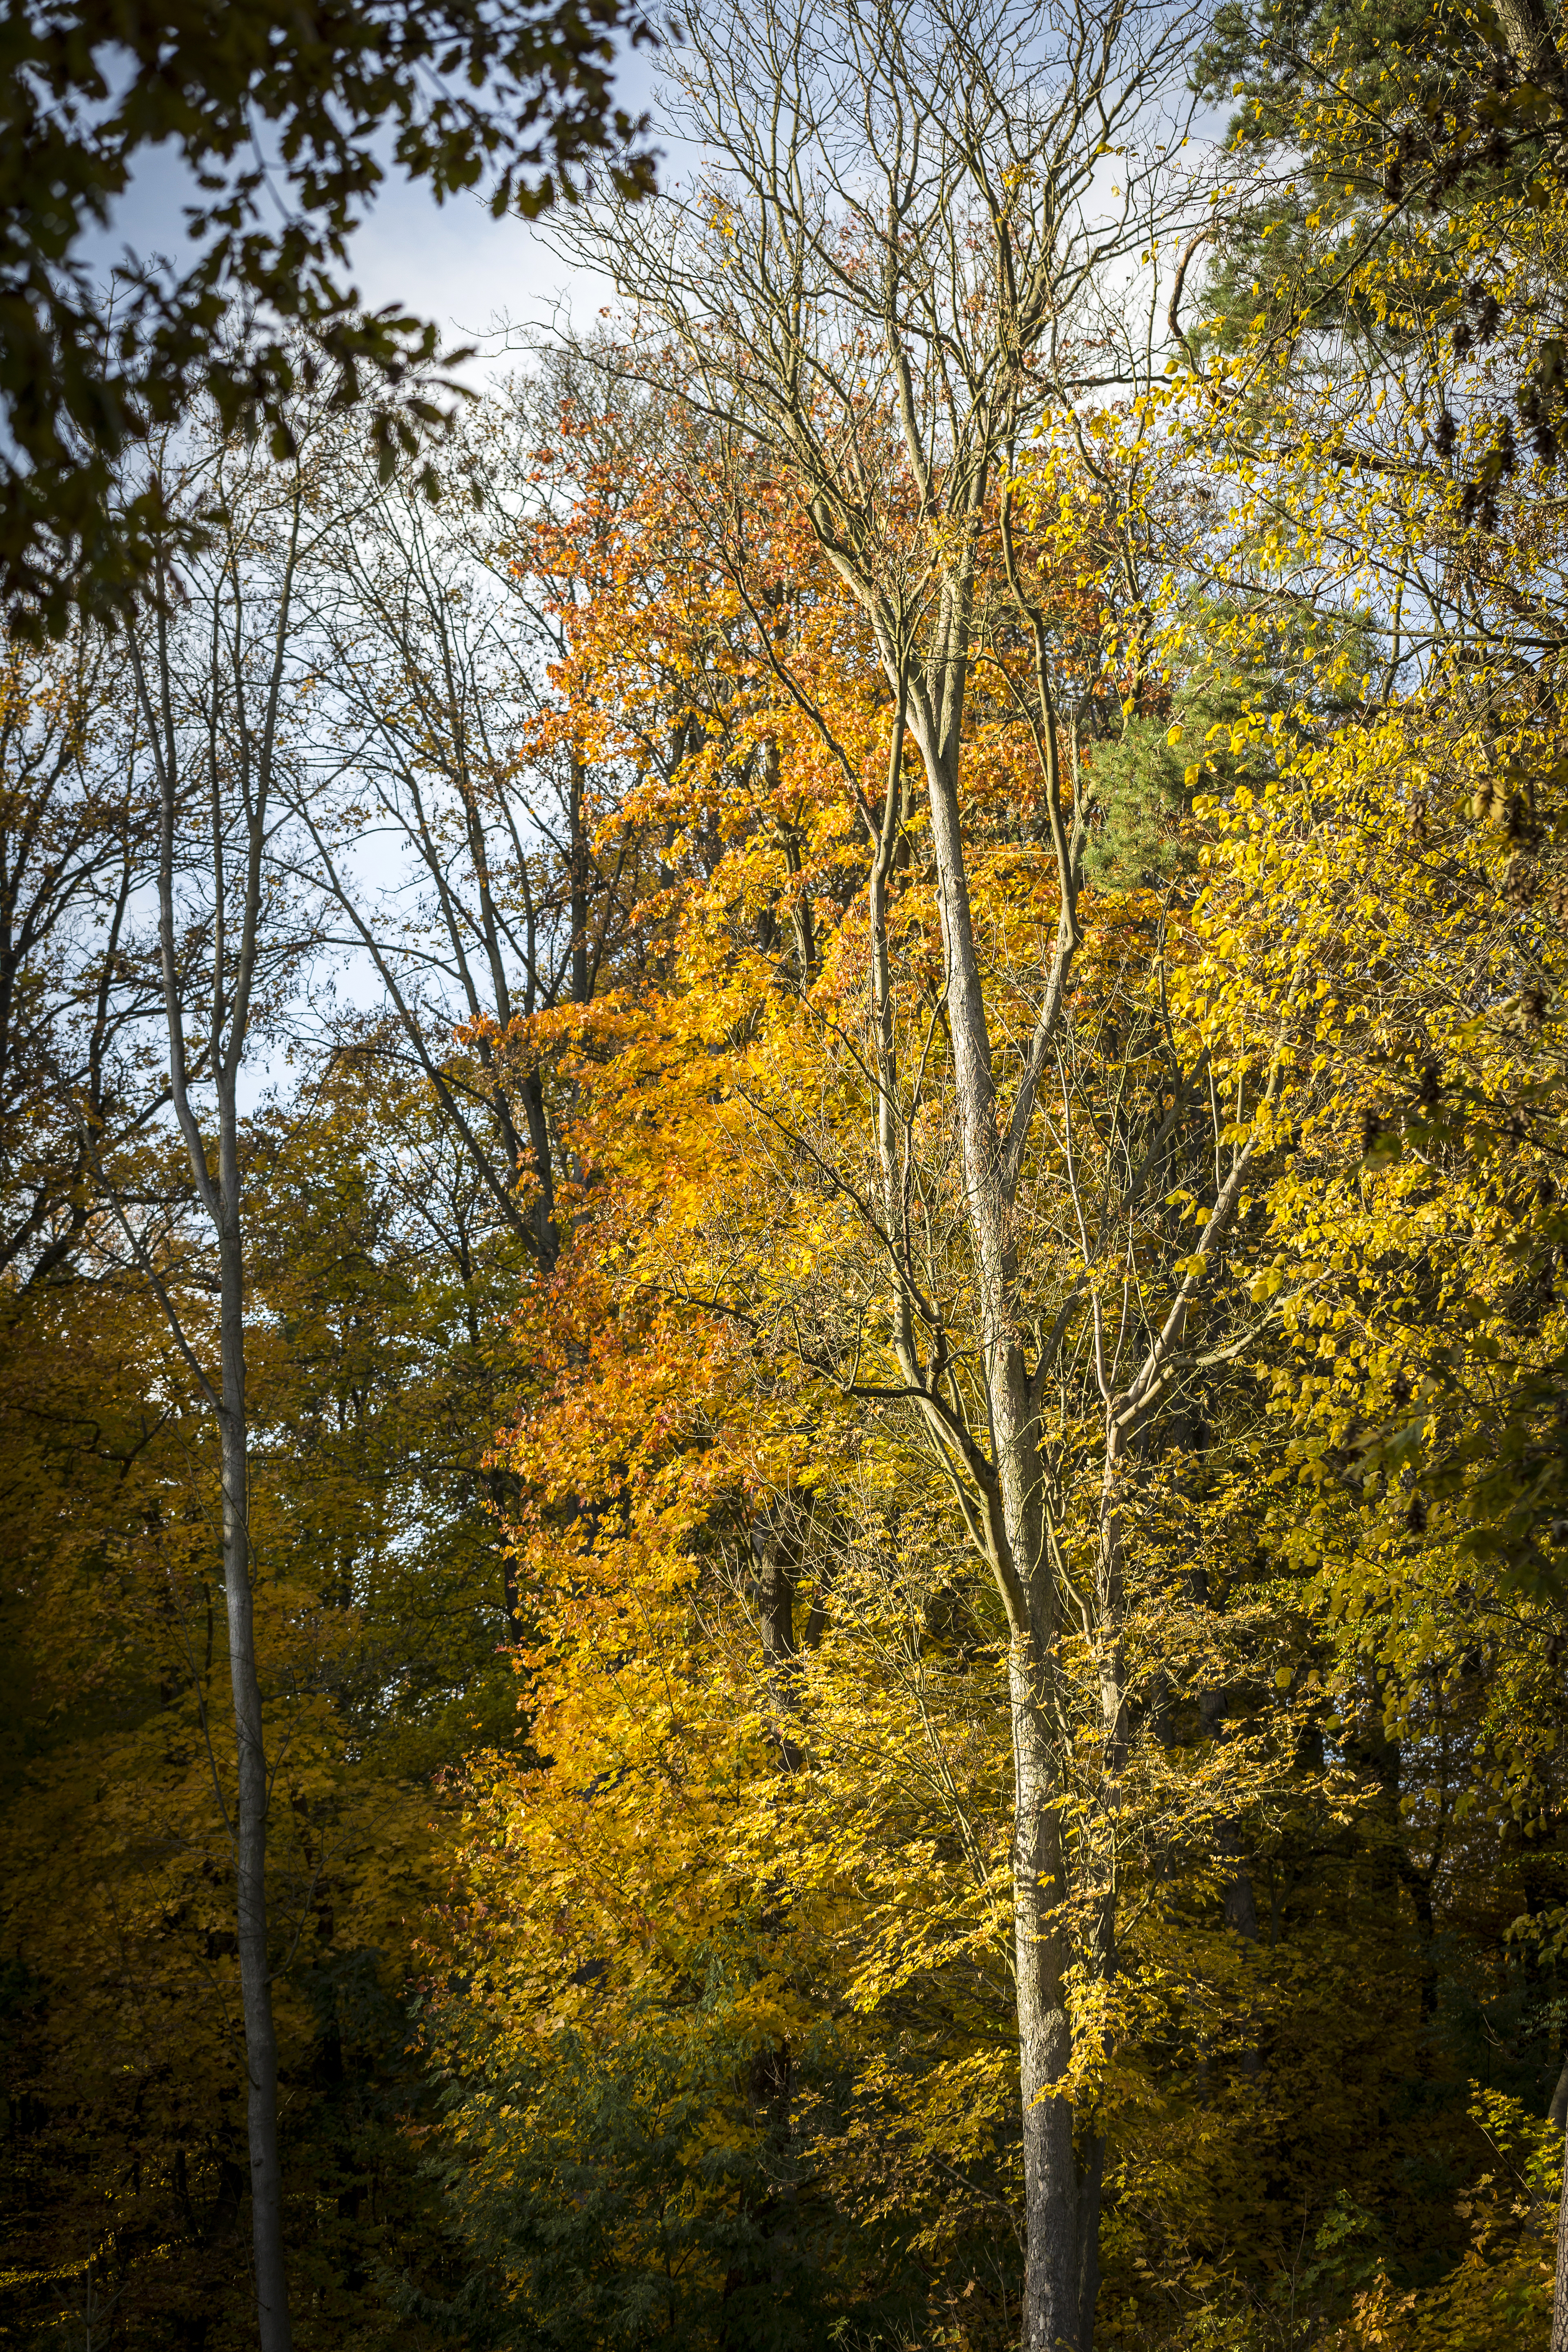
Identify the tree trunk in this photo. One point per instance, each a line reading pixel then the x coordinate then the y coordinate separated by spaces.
pixel 1559 2293
pixel 1557 2113
pixel 578 849
pixel 775 1610
pixel 221 1201
pixel 250 1823
pixel 1024 1569
pixel 1090 2182
pixel 1051 2278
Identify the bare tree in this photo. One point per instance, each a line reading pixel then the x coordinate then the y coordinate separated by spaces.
pixel 73 853
pixel 459 854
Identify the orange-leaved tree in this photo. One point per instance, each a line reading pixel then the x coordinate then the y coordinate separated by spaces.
pixel 769 1140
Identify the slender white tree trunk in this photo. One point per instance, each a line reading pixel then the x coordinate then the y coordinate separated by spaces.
pixel 232 974
pixel 250 1823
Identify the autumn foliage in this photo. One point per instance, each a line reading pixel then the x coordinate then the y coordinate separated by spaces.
pixel 902 1208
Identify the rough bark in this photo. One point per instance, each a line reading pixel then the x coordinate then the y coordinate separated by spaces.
pixel 1527 30
pixel 1052 2284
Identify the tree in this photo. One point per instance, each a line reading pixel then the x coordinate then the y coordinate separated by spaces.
pixel 73 852
pixel 969 1066
pixel 382 1645
pixel 1410 314
pixel 734 1136
pixel 878 288
pixel 728 1514
pixel 210 691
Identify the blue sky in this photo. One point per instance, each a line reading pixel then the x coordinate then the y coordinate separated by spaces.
pixel 452 263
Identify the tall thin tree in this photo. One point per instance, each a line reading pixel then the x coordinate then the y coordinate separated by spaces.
pixel 212 662
pixel 878 286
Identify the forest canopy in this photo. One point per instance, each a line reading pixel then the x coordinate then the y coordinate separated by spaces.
pixel 784 1367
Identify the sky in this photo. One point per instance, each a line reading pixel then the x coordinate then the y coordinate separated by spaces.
pixel 476 277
